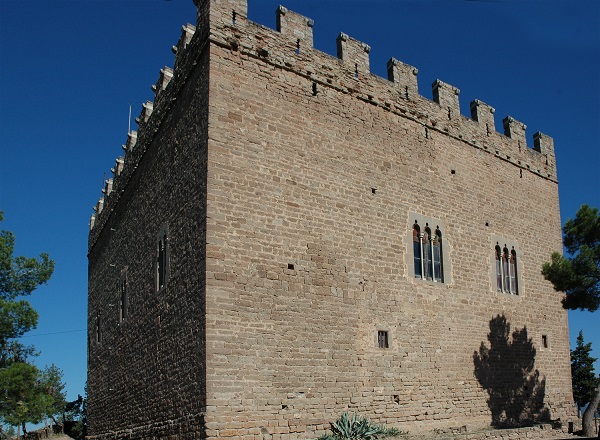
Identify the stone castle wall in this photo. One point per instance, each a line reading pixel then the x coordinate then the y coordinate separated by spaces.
pixel 289 182
pixel 146 372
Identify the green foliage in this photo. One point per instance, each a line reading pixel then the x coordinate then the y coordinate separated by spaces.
pixel 23 397
pixel 582 372
pixel 19 276
pixel 357 428
pixel 51 383
pixel 27 394
pixel 578 275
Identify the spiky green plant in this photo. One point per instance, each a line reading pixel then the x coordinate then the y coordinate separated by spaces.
pixel 353 427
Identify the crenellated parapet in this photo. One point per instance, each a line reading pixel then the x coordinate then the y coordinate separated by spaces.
pixel 296 27
pixel 404 76
pixel 187 32
pixel 354 53
pixel 289 47
pixel 447 97
pixel 168 86
pixel 484 115
pixel 165 76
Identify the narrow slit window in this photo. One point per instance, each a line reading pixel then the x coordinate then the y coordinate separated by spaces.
pixel 123 299
pixel 98 329
pixel 162 259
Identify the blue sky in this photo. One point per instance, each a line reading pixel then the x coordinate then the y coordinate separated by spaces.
pixel 70 69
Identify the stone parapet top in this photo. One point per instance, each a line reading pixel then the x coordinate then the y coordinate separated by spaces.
pixel 349 73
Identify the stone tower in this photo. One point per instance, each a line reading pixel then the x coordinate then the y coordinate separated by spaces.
pixel 289 237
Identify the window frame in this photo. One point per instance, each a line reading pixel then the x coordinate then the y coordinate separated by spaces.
pixel 506 267
pixel 383 339
pixel 431 242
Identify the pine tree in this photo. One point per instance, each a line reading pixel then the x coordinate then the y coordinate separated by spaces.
pixel 582 372
pixel 578 276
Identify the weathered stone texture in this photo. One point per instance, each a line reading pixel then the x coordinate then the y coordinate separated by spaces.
pixel 289 181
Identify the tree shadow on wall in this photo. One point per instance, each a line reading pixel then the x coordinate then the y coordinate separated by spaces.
pixel 505 370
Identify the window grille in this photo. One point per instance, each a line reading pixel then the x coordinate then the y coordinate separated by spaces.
pixel 382 339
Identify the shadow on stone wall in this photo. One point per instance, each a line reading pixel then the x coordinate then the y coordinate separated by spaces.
pixel 505 370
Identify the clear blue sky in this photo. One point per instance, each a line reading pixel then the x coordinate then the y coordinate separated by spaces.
pixel 70 69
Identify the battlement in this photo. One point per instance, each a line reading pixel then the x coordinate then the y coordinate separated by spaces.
pixel 289 46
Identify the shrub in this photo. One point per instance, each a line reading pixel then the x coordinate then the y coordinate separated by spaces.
pixel 348 427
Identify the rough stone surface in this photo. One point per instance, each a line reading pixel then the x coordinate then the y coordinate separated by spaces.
pixel 288 182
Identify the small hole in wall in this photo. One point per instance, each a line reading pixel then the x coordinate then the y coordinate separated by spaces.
pixel 298 46
pixel 487 223
pixel 291 266
pixel 314 89
pixel 373 190
pixel 396 399
pixel 452 171
pixel 355 70
pixel 545 341
pixel 233 14
pixel 521 174
pixel 284 407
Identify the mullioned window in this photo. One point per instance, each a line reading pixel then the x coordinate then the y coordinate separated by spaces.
pixel 428 250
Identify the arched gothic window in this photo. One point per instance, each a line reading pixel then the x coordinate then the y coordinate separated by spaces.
pixel 512 271
pixel 436 246
pixel 498 253
pixel 427 263
pixel 417 250
pixel 506 269
pixel 427 253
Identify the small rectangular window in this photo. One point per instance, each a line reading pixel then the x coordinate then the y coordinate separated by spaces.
pixel 382 339
pixel 545 341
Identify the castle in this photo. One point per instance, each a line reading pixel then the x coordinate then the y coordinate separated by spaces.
pixel 289 237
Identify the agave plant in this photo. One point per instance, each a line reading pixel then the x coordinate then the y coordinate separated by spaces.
pixel 357 428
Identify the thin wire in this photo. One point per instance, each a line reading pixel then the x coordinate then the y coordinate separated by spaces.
pixel 55 333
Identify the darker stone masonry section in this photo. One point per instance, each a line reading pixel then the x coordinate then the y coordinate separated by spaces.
pixel 288 237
